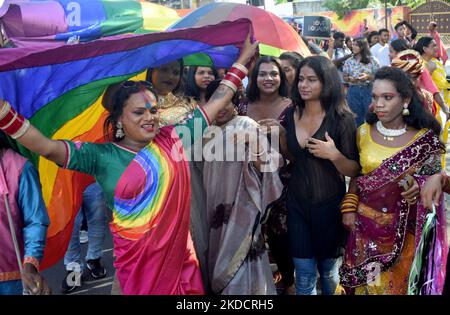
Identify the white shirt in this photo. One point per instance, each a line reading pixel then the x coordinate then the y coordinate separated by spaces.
pixel 381 53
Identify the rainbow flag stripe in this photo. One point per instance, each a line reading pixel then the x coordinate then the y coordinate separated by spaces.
pixel 35 20
pixel 135 216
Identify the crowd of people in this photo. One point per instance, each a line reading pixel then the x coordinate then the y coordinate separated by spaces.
pixel 372 110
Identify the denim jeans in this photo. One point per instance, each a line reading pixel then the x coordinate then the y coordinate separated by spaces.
pixel 359 97
pixel 13 287
pixel 94 208
pixel 306 275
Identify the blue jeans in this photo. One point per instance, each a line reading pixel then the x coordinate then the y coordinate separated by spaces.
pixel 306 275
pixel 13 287
pixel 359 97
pixel 94 208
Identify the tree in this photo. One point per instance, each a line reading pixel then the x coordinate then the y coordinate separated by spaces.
pixel 341 7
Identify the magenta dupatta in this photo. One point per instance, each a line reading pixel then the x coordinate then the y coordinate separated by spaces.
pixel 384 217
pixel 156 254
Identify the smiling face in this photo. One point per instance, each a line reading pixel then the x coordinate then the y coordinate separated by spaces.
pixel 140 118
pixel 166 78
pixel 203 76
pixel 387 101
pixel 268 79
pixel 309 85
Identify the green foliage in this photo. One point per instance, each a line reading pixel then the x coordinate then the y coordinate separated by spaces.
pixel 341 7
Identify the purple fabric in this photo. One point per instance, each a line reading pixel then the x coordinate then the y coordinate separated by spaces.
pixel 34 19
pixel 225 33
pixel 384 217
pixel 11 168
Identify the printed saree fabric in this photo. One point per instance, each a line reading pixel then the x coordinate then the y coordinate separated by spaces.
pixel 380 250
pixel 153 247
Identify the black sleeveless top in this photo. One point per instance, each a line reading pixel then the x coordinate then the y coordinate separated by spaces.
pixel 316 189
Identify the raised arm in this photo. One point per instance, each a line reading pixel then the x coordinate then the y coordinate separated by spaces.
pixel 19 128
pixel 224 93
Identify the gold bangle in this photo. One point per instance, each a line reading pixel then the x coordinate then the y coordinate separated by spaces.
pixel 229 84
pixel 348 210
pixel 6 107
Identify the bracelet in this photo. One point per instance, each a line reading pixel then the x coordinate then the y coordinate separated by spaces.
pixel 257 154
pixel 350 203
pixel 238 72
pixel 229 84
pixel 233 78
pixel 5 109
pixel 11 122
pixel 240 67
pixel 31 260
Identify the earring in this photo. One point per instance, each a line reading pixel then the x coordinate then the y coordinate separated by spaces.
pixel 119 133
pixel 405 111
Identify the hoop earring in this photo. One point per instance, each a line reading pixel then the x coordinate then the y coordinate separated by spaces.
pixel 405 111
pixel 119 133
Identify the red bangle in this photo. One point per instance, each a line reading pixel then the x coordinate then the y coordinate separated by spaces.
pixel 233 78
pixel 13 123
pixel 239 73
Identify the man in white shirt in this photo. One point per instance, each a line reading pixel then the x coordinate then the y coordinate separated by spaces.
pixel 381 50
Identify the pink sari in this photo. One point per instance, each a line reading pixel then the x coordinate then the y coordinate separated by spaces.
pixel 154 251
pixel 389 229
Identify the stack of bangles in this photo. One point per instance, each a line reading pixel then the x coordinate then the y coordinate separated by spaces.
pixel 11 122
pixel 350 203
pixel 235 75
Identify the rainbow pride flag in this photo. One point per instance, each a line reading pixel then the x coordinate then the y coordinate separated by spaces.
pixel 61 90
pixel 35 21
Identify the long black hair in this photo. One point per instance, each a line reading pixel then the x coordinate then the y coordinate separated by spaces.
pixel 332 97
pixel 422 43
pixel 365 49
pixel 253 90
pixel 4 143
pixel 191 89
pixel 121 95
pixel 418 117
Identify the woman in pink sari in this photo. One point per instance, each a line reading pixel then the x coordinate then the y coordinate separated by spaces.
pixel 399 148
pixel 145 177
